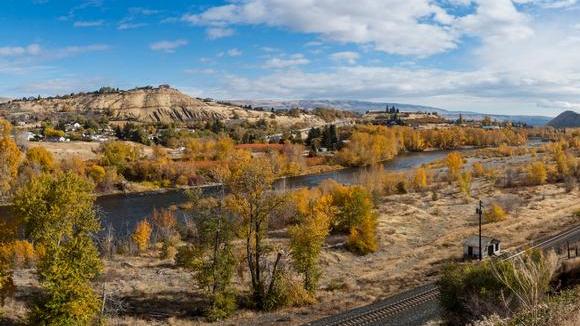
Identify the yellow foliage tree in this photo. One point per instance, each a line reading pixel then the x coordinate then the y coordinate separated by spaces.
pixel 142 235
pixel 39 157
pixel 119 154
pixel 420 179
pixel 10 157
pixel 477 169
pixel 97 173
pixel 464 182
pixel 495 213
pixel 362 238
pixel 59 215
pixel 315 211
pixel 454 164
pixel 354 214
pixel 537 173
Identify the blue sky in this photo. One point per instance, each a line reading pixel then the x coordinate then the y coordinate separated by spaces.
pixel 496 56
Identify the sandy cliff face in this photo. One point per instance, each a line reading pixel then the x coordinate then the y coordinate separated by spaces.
pixel 146 105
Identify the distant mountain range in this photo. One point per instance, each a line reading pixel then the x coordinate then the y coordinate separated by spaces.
pixel 566 119
pixel 363 106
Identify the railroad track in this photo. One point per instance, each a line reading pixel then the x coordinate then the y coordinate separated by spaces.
pixel 380 312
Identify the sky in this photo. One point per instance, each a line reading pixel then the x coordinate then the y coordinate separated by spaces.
pixel 490 56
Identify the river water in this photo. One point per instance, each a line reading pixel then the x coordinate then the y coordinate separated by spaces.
pixel 123 211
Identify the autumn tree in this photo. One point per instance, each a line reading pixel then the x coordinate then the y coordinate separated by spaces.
pixel 142 235
pixel 537 174
pixel 454 163
pixel 59 216
pixel 314 214
pixel 464 182
pixel 8 234
pixel 253 202
pixel 355 215
pixel 165 228
pixel 477 169
pixel 10 157
pixel 213 257
pixel 495 213
pixel 38 158
pixel 119 154
pixel 362 238
pixel 420 178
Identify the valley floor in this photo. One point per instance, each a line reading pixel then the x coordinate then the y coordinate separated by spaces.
pixel 418 233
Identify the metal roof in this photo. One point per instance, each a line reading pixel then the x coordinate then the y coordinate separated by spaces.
pixel 473 241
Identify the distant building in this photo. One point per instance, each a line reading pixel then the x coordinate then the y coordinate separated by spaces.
pixel 491 247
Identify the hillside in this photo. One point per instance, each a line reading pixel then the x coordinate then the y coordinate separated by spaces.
pixel 566 119
pixel 146 104
pixel 363 106
pixel 4 99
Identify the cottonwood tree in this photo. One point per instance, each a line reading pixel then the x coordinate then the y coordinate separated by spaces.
pixel 314 214
pixel 253 202
pixel 142 235
pixel 213 258
pixel 60 218
pixel 355 215
pixel 537 173
pixel 10 157
pixel 454 164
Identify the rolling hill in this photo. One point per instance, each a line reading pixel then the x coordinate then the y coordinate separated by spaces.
pixel 566 119
pixel 144 104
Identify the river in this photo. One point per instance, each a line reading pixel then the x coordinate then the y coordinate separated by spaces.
pixel 123 211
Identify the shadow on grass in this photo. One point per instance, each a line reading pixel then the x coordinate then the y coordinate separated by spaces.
pixel 164 305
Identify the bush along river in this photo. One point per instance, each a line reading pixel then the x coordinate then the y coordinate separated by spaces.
pixel 123 211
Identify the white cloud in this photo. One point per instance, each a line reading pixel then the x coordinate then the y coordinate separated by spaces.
pixel 86 23
pixel 560 105
pixel 168 46
pixel 286 61
pixel 219 32
pixel 412 27
pixel 205 71
pixel 551 4
pixel 346 56
pixel 76 50
pixel 9 51
pixel 230 53
pixel 496 21
pixel 126 26
pixel 35 50
pixel 234 52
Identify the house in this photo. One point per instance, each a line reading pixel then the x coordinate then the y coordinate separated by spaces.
pixel 471 247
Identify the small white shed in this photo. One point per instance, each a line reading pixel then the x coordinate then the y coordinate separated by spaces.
pixel 491 247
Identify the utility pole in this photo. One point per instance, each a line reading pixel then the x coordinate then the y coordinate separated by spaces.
pixel 479 211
